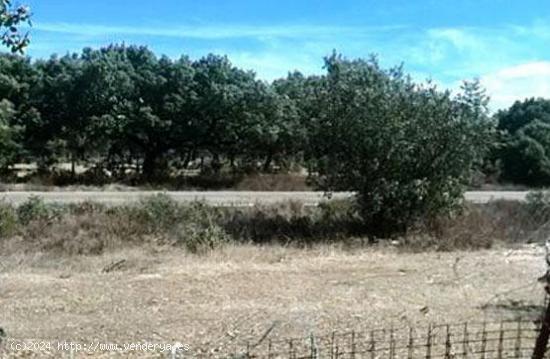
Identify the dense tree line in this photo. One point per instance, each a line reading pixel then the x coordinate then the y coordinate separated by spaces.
pixel 121 106
pixel 523 151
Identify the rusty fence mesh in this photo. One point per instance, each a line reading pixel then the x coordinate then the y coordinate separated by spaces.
pixel 506 339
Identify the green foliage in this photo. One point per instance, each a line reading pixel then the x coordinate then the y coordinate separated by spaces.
pixel 9 146
pixel 522 113
pixel 35 208
pixel 8 220
pixel 524 153
pixel 158 211
pixel 407 149
pixel 199 230
pixel 538 206
pixel 195 227
pixel 10 20
pixel 122 107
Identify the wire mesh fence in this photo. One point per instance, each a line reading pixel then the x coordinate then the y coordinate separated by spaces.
pixel 506 339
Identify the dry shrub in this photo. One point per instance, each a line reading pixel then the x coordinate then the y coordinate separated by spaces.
pixel 73 234
pixel 291 221
pixel 469 230
pixel 89 228
pixel 482 226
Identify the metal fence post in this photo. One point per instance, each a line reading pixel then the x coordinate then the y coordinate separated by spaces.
pixel 429 343
pixel 465 341
pixel 544 334
pixel 517 349
pixel 448 344
pixel 411 344
pixel 353 344
pixel 484 341
pixel 392 344
pixel 372 346
pixel 500 341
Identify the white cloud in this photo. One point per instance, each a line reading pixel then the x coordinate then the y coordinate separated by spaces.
pixel 517 83
pixel 211 31
pixel 462 39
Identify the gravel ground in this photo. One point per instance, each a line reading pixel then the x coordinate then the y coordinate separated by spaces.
pixel 228 297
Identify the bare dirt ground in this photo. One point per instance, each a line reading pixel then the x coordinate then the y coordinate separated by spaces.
pixel 238 293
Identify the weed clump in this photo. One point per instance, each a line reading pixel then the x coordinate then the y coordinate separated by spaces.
pixel 199 231
pixel 8 220
pixel 159 212
pixel 35 208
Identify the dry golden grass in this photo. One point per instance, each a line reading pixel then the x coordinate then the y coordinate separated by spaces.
pixel 236 293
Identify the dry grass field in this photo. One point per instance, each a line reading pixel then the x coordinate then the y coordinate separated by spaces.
pixel 236 293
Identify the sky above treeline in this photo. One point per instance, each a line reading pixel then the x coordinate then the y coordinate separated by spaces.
pixel 505 43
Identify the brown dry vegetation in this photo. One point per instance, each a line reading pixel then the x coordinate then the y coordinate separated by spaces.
pixel 64 181
pixel 93 229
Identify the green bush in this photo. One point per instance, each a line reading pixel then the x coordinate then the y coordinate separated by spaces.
pixel 159 212
pixel 8 219
pixel 199 229
pixel 538 206
pixel 33 209
pixel 407 150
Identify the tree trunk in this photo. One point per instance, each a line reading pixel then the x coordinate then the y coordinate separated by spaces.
pixel 267 163
pixel 149 169
pixel 73 168
pixel 216 163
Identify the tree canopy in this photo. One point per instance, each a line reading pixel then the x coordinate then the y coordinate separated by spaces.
pixel 524 153
pixel 10 20
pixel 408 149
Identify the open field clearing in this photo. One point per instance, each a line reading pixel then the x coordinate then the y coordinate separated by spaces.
pixel 235 294
pixel 223 198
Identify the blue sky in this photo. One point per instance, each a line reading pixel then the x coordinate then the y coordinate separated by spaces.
pixel 506 43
